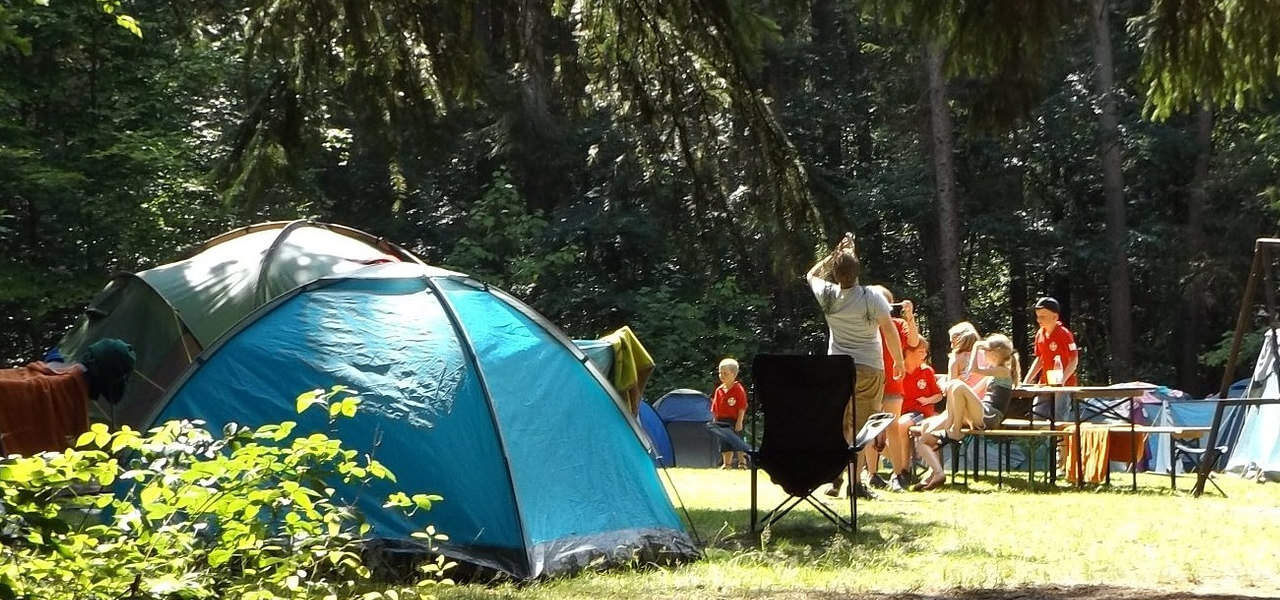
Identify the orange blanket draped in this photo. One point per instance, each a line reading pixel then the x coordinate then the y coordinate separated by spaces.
pixel 1102 444
pixel 41 410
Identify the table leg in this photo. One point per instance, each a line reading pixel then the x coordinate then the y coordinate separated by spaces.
pixel 1053 451
pixel 1031 462
pixel 1075 415
pixel 1133 445
pixel 1173 466
pixel 999 465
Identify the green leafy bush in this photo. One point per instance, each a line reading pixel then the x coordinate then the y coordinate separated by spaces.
pixel 180 513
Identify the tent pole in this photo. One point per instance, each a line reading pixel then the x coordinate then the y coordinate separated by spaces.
pixel 1241 320
pixel 692 528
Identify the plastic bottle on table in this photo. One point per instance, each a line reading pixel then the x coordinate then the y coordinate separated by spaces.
pixel 1055 375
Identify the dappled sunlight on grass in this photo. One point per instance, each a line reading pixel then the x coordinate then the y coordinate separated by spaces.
pixel 974 538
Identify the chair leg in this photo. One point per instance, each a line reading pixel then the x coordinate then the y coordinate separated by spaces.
pixel 753 496
pixel 1215 486
pixel 999 465
pixel 853 510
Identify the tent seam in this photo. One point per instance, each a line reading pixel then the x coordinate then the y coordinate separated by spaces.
pixel 202 358
pixel 469 349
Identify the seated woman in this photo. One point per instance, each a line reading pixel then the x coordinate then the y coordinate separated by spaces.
pixel 965 408
pixel 963 337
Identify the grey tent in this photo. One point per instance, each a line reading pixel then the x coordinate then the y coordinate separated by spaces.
pixel 171 313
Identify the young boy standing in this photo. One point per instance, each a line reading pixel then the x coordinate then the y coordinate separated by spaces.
pixel 1054 346
pixel 729 408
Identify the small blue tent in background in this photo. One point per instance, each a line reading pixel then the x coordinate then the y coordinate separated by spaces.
pixel 685 414
pixel 466 393
pixel 663 454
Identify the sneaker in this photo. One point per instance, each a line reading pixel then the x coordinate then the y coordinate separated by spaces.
pixel 898 482
pixel 834 490
pixel 878 482
pixel 862 492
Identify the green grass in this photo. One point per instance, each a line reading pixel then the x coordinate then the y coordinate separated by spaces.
pixel 975 537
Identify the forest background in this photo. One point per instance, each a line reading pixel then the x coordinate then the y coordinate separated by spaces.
pixel 673 165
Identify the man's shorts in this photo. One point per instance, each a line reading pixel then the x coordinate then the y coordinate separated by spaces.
pixel 868 392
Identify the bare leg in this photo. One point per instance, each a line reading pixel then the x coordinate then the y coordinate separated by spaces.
pixel 929 454
pixel 902 428
pixel 895 441
pixel 964 407
pixel 868 459
pixel 726 459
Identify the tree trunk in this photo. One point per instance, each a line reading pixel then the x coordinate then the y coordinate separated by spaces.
pixel 1193 304
pixel 863 145
pixel 934 321
pixel 535 88
pixel 540 152
pixel 1019 306
pixel 1121 341
pixel 944 179
pixel 829 72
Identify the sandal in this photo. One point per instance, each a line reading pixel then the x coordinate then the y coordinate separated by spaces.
pixel 945 440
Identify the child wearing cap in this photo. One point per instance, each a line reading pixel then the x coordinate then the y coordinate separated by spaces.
pixel 1054 344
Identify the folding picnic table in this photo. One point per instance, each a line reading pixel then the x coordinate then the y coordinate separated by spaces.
pixel 1121 393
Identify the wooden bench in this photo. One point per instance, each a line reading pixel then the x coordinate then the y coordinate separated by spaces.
pixel 1029 424
pixel 1011 429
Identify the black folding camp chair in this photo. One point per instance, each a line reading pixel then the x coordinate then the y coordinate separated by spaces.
pixel 1204 460
pixel 802 401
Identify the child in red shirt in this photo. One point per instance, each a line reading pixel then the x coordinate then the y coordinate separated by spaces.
pixel 920 392
pixel 729 408
pixel 1053 341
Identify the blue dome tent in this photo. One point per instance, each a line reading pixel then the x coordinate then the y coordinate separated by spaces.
pixel 600 353
pixel 663 454
pixel 686 414
pixel 466 393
